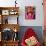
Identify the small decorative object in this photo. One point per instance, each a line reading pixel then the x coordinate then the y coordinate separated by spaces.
pixel 15 3
pixel 15 37
pixel 16 12
pixel 15 30
pixel 6 21
pixel 29 12
pixel 7 34
pixel 5 12
pixel 13 12
pixel 15 34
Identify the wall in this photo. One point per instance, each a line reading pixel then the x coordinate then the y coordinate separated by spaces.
pixel 39 11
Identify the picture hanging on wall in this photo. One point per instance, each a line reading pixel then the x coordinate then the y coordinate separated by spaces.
pixel 30 12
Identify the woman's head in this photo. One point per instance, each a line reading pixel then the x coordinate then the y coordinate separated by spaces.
pixel 30 10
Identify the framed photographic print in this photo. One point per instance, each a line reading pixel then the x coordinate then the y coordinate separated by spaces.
pixel 5 12
pixel 30 12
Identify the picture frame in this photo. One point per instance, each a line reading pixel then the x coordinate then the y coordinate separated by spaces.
pixel 30 12
pixel 5 12
pixel 13 12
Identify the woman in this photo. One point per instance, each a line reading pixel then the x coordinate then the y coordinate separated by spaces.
pixel 30 38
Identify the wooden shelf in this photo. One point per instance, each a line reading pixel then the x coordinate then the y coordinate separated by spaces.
pixel 5 25
pixel 7 13
pixel 10 26
pixel 4 8
pixel 9 43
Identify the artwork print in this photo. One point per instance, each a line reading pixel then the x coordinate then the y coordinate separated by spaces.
pixel 30 12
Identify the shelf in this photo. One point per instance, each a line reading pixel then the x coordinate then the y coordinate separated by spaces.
pixel 10 26
pixel 6 12
pixel 5 8
pixel 9 10
pixel 10 41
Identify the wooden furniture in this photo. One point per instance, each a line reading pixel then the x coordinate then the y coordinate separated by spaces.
pixel 6 23
pixel 10 43
pixel 0 43
pixel 6 12
pixel 11 26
